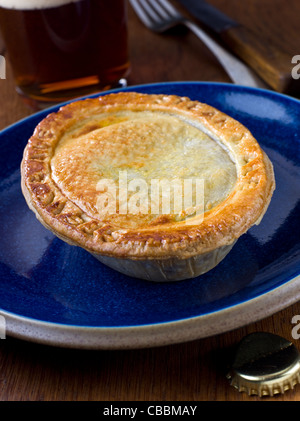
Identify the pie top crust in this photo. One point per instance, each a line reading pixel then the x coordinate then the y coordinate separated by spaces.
pixel 75 156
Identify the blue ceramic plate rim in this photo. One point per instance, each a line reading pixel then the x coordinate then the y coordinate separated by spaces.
pixel 164 332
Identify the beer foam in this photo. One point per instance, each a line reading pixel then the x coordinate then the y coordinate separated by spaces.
pixel 33 4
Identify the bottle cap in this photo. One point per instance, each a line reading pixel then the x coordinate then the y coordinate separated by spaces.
pixel 265 364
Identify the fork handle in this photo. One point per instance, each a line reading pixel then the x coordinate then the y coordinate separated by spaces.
pixel 273 65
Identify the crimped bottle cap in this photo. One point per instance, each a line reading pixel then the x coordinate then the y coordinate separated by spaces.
pixel 265 364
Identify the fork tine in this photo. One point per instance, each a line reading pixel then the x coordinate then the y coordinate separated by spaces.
pixel 157 15
pixel 160 9
pixel 141 12
pixel 170 8
pixel 150 9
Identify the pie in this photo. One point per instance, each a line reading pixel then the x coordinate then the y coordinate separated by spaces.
pixel 158 186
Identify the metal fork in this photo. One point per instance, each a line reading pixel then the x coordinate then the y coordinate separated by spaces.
pixel 160 15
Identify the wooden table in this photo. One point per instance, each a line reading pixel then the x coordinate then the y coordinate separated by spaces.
pixel 192 371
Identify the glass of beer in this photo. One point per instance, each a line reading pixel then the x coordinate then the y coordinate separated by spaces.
pixel 64 49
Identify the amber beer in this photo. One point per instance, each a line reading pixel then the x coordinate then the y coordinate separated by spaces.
pixel 61 49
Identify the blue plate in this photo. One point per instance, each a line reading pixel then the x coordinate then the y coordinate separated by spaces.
pixel 57 294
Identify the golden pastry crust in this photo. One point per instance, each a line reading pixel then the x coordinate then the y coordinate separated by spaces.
pixel 165 237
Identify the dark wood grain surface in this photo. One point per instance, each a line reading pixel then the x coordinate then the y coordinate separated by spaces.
pixel 193 371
